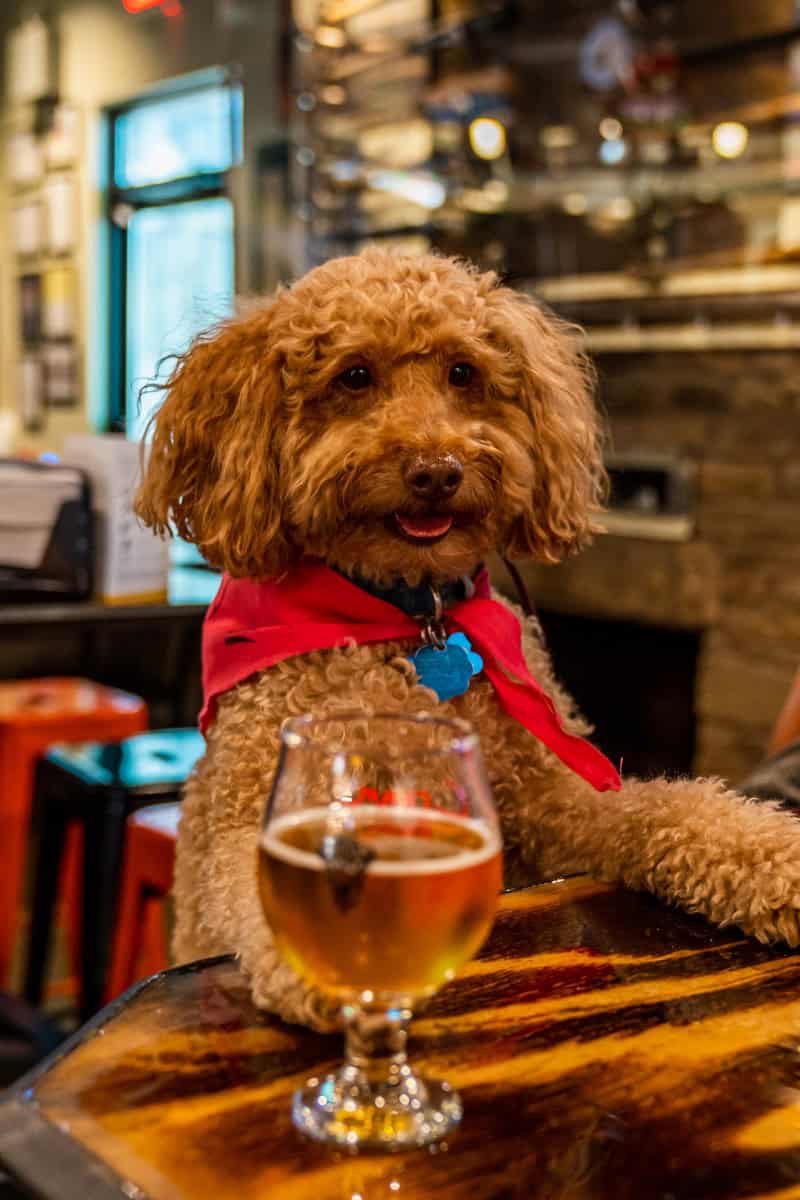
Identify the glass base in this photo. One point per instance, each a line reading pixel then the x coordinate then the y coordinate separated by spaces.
pixel 347 1110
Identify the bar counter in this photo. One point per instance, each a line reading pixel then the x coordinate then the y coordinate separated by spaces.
pixel 152 650
pixel 606 1048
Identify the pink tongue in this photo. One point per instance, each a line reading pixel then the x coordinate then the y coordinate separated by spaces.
pixel 424 527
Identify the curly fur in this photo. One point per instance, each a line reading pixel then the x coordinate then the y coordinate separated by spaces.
pixel 260 455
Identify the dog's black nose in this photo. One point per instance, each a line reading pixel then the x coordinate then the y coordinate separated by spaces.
pixel 433 477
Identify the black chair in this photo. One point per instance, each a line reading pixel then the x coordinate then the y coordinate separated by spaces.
pixel 98 785
pixel 777 778
pixel 25 1037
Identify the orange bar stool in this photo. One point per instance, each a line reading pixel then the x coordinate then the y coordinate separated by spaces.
pixel 34 713
pixel 97 786
pixel 140 947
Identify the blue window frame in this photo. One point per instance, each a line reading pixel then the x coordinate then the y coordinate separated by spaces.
pixel 172 231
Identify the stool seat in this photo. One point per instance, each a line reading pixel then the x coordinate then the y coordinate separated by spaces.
pixel 34 713
pixel 31 702
pixel 157 760
pixel 98 786
pixel 161 818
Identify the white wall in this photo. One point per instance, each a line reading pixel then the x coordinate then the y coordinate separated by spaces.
pixel 107 55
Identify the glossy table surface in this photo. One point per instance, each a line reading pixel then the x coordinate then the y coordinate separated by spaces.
pixel 605 1047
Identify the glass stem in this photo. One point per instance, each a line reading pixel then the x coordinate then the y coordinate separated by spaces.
pixel 375 1043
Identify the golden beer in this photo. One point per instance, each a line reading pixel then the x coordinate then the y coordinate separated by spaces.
pixel 421 905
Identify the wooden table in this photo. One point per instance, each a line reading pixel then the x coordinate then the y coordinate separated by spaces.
pixel 605 1047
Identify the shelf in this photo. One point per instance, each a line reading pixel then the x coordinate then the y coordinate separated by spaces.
pixel 695 336
pixel 719 281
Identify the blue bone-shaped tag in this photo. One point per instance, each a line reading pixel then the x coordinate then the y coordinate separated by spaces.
pixel 448 672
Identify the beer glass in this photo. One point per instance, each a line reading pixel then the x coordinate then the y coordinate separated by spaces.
pixel 379 869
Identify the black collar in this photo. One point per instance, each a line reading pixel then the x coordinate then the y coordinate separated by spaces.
pixel 423 602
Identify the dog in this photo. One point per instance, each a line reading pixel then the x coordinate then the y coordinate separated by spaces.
pixel 396 420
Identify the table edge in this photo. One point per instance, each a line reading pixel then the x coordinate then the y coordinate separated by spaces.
pixel 33 1150
pixel 18 1089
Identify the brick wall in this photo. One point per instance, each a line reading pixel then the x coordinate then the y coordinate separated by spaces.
pixel 737 415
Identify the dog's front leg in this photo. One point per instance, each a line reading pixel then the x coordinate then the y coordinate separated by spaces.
pixel 692 842
pixel 278 989
pixel 274 985
pixel 217 904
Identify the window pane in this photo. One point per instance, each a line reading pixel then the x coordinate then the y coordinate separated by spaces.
pixel 180 281
pixel 191 133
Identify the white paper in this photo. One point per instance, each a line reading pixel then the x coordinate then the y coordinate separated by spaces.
pixel 27 520
pixel 130 560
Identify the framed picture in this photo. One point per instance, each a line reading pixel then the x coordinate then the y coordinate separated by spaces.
pixel 29 62
pixel 61 381
pixel 62 144
pixel 60 214
pixel 30 398
pixel 24 160
pixel 26 229
pixel 59 303
pixel 30 307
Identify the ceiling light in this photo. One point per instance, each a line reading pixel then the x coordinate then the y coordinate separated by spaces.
pixel 575 203
pixel 419 189
pixel 557 137
pixel 610 128
pixel 330 36
pixel 398 143
pixel 613 151
pixel 730 138
pixel 487 137
pixel 620 209
pixel 332 93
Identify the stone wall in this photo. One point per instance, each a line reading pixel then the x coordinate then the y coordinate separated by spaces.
pixel 737 416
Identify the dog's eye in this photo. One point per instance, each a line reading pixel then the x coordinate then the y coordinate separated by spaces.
pixel 356 378
pixel 461 375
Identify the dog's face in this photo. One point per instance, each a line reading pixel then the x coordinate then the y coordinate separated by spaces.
pixel 396 417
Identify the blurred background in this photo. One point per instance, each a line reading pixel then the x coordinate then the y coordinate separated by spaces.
pixel 633 163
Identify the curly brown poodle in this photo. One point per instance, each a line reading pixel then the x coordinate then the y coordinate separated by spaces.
pixel 401 418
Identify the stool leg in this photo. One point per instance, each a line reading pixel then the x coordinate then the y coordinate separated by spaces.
pixel 130 912
pixel 154 955
pixel 103 839
pixel 50 831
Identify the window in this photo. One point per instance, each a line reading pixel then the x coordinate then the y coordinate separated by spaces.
pixel 179 281
pixel 180 136
pixel 172 233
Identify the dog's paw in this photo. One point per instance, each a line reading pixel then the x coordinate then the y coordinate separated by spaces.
pixel 780 926
pixel 770 908
pixel 278 989
pixel 755 883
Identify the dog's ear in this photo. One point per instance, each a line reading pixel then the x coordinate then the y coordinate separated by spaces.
pixel 555 388
pixel 212 463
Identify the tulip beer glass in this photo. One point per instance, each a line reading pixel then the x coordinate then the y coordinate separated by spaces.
pixel 379 869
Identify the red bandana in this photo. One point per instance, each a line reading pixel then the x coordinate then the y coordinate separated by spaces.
pixel 253 625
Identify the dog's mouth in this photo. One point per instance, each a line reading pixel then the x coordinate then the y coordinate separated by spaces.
pixel 423 530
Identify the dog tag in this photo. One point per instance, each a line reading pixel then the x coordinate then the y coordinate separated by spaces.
pixel 448 671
